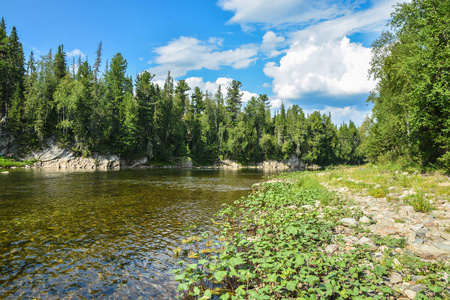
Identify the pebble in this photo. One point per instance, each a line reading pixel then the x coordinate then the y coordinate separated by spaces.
pixel 416 227
pixel 396 278
pixel 418 241
pixel 364 220
pixel 415 278
pixel 421 232
pixel 331 248
pixel 411 294
pixel 348 222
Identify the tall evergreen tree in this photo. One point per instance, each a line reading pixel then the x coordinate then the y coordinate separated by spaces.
pixel 59 63
pixel 234 101
pixel 98 61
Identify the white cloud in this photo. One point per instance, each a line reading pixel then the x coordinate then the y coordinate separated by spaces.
pixel 275 13
pixel 209 86
pixel 247 96
pixel 370 20
pixel 75 53
pixel 275 104
pixel 271 42
pixel 321 59
pixel 334 68
pixel 344 114
pixel 187 53
pixel 141 58
pixel 266 84
pixel 224 82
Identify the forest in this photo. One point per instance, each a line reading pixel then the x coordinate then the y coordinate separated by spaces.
pixel 101 108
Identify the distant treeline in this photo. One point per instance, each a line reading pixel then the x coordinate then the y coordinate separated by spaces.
pixel 106 111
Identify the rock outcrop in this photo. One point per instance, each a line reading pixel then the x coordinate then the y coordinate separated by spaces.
pixel 291 163
pixel 54 156
pixel 7 145
pixel 63 158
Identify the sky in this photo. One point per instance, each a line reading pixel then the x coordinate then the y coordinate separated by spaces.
pixel 315 54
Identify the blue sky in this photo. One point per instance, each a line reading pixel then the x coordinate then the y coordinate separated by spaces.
pixel 311 53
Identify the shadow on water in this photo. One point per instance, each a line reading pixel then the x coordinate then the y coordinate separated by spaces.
pixel 104 234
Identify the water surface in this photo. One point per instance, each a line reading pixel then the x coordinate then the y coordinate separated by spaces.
pixel 84 235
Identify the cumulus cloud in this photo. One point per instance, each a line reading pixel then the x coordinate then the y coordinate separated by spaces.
pixel 335 68
pixel 340 115
pixel 322 59
pixel 275 104
pixel 187 53
pixel 247 96
pixel 212 87
pixel 224 82
pixel 271 42
pixel 75 53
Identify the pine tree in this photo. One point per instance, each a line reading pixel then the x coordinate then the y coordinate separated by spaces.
pixel 234 101
pixel 59 63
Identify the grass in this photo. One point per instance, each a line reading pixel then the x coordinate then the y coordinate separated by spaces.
pixel 271 245
pixel 419 202
pixel 376 181
pixel 9 162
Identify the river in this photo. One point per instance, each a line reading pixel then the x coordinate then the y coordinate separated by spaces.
pixel 104 234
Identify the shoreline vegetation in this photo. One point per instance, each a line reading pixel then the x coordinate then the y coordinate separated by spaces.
pixel 363 232
pixel 87 110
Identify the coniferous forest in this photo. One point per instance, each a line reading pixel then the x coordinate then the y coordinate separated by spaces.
pixel 101 108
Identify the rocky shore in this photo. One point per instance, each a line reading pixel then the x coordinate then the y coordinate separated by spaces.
pixel 63 158
pixel 346 233
pixel 426 234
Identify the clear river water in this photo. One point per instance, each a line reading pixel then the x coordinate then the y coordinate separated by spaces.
pixel 104 234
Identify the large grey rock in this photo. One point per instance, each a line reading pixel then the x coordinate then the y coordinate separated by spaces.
pixel 292 162
pixel 7 145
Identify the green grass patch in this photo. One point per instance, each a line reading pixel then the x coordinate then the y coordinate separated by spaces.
pixel 9 162
pixel 419 202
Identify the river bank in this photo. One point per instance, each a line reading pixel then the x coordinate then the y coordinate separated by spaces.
pixel 54 156
pixel 351 233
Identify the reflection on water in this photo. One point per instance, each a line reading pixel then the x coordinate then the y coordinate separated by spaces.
pixel 104 234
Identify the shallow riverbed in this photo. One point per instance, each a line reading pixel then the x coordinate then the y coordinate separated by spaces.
pixel 104 234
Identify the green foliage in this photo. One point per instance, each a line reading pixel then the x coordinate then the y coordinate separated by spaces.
pixel 411 100
pixel 271 247
pixel 419 202
pixel 88 111
pixel 9 162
